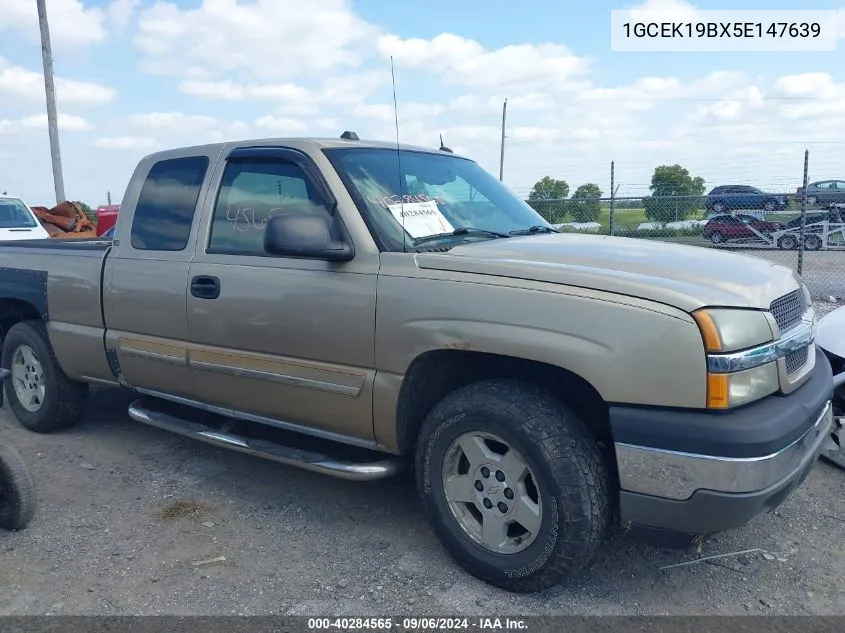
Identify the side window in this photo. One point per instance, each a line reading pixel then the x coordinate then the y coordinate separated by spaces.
pixel 167 203
pixel 252 192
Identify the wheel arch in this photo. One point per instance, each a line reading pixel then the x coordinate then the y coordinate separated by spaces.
pixel 23 296
pixel 436 373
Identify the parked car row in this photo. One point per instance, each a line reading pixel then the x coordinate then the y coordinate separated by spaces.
pixel 726 198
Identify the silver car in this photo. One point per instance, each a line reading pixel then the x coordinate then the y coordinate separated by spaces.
pixel 825 192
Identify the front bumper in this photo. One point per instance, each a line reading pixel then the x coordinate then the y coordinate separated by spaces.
pixel 705 472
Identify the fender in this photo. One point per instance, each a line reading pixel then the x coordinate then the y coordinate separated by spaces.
pixel 29 286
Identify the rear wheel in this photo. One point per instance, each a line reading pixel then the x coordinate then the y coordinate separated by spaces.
pixel 812 243
pixel 17 490
pixel 788 243
pixel 812 200
pixel 40 394
pixel 513 484
pixel 717 238
pixel 770 206
pixel 719 207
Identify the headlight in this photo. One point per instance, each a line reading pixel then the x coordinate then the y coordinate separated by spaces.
pixel 727 330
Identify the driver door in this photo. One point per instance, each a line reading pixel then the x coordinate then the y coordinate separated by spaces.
pixel 288 341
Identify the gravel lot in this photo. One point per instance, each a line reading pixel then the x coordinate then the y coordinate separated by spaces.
pixel 126 510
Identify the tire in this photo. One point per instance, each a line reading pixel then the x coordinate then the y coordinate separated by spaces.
pixel 812 200
pixel 566 490
pixel 61 402
pixel 719 207
pixel 717 238
pixel 17 490
pixel 812 243
pixel 770 206
pixel 788 243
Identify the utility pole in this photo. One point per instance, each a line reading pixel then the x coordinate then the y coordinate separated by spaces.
pixel 502 152
pixel 108 197
pixel 50 90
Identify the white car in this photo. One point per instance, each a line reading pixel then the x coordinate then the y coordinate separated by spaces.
pixel 18 222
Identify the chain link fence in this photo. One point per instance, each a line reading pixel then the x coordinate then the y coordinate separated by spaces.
pixel 807 235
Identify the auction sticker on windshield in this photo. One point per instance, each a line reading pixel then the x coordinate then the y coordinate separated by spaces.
pixel 421 219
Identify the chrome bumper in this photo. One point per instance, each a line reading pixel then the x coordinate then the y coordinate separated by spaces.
pixel 676 475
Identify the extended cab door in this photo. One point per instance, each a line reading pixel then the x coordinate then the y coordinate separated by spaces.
pixel 283 340
pixel 146 273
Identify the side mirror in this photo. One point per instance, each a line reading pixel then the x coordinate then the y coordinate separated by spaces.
pixel 304 235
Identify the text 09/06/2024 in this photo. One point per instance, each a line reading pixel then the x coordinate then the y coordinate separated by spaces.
pixel 719 31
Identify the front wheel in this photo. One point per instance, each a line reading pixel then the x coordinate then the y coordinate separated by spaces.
pixel 717 238
pixel 513 483
pixel 17 490
pixel 40 394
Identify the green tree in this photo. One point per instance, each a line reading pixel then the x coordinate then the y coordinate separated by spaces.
pixel 87 210
pixel 668 182
pixel 585 205
pixel 548 197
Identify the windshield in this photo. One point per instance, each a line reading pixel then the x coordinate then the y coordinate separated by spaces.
pixel 14 215
pixel 437 194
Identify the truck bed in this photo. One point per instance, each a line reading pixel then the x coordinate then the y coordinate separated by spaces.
pixel 60 282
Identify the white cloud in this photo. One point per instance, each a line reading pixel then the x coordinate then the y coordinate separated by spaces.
pixel 281 125
pixel 121 12
pixel 27 84
pixel 7 126
pixel 267 38
pixel 66 123
pixel 291 96
pixel 125 142
pixel 169 122
pixel 407 110
pixel 671 11
pixel 71 23
pixel 528 102
pixel 290 99
pixel 465 62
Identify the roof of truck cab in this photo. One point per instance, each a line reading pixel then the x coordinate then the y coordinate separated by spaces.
pixel 303 143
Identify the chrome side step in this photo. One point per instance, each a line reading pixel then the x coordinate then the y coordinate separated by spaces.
pixel 307 460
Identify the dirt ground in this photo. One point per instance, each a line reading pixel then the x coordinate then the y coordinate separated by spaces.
pixel 128 513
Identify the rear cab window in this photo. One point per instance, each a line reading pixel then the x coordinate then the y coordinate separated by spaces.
pixel 167 204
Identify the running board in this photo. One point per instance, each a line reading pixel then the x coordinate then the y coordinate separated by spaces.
pixel 307 460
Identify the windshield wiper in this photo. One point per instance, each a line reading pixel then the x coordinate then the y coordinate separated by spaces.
pixel 537 228
pixel 461 230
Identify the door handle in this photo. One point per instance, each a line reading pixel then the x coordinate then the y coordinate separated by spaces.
pixel 205 287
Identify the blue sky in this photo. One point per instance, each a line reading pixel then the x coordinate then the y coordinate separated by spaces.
pixel 134 76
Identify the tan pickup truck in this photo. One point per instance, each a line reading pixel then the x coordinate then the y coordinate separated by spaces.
pixel 356 307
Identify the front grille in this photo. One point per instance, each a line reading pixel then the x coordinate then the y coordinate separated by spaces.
pixel 787 310
pixel 796 360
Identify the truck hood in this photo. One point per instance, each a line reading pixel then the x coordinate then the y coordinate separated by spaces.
pixel 686 277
